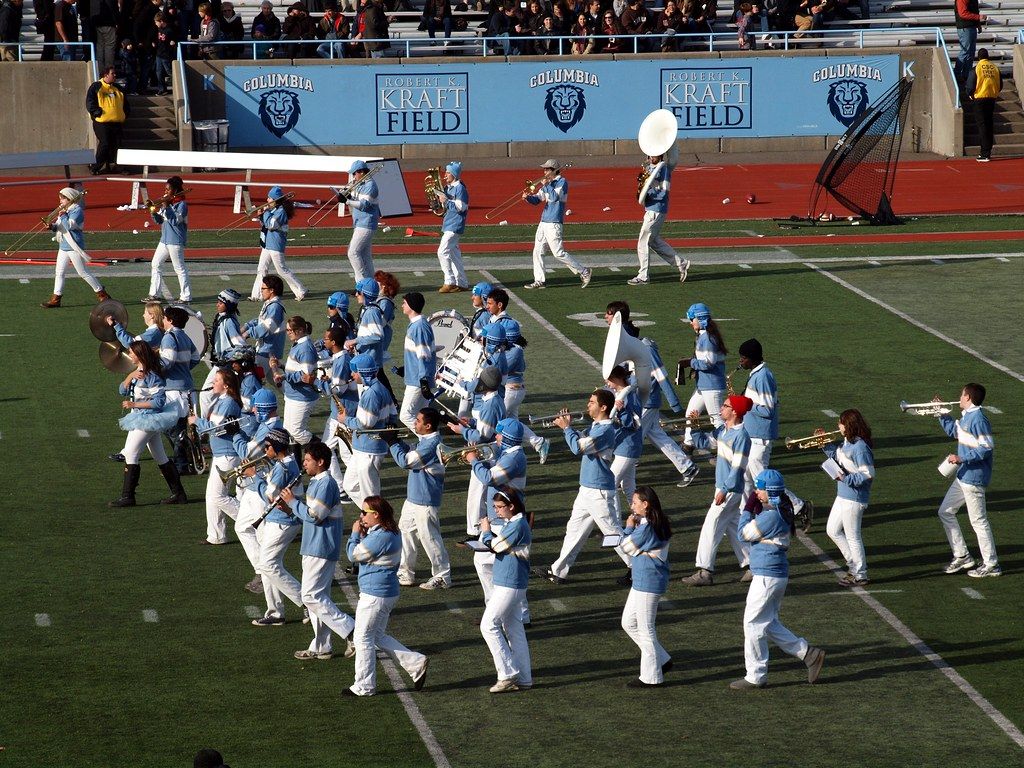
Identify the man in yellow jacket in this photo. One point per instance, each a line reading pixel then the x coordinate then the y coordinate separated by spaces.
pixel 108 109
pixel 983 87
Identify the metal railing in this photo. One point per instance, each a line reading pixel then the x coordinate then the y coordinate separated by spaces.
pixel 1020 37
pixel 83 47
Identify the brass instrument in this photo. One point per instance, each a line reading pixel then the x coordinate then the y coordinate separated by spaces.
pixel 222 426
pixel 155 205
pixel 194 445
pixel 529 188
pixel 642 177
pixel 813 441
pixel 377 433
pixel 45 222
pixel 432 184
pixel 324 210
pixel 458 455
pixel 544 422
pixel 928 409
pixel 728 380
pixel 247 216
pixel 258 463
pixel 702 423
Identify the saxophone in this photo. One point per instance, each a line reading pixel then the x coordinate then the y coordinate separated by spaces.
pixel 432 184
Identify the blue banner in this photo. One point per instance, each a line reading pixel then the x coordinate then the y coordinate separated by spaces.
pixel 755 97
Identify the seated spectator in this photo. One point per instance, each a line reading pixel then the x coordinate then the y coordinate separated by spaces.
pixel 437 13
pixel 509 28
pixel 268 21
pixel 534 15
pixel 745 27
pixel 670 21
pixel 232 30
pixel 546 42
pixel 705 19
pixel 264 50
pixel 209 33
pixel 810 16
pixel 333 27
pixel 299 26
pixel 583 42
pixel 611 29
pixel 10 28
pixel 560 16
pixel 594 14
pixel 636 21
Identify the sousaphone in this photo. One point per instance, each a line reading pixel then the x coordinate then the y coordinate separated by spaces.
pixel 657 136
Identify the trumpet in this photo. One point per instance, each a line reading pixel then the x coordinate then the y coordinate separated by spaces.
pixel 544 422
pixel 458 455
pixel 529 188
pixel 45 222
pixel 928 409
pixel 258 463
pixel 701 423
pixel 813 441
pixel 432 184
pixel 323 211
pixel 247 216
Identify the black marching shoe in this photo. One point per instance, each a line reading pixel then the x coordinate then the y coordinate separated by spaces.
pixel 129 483
pixel 170 473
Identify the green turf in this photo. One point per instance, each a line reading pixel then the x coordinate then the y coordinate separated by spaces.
pixel 101 687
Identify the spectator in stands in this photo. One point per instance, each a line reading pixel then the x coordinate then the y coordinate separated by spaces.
pixel 108 108
pixel 166 51
pixel 547 42
pixel 810 16
pixel 376 28
pixel 533 15
pixel 983 87
pixel 508 25
pixel 103 18
pixel 594 14
pixel 745 27
pixel 583 42
pixel 437 13
pixel 44 26
pixel 209 33
pixel 128 64
pixel 635 20
pixel 65 25
pixel 299 26
pixel 333 27
pixel 704 21
pixel 10 28
pixel 270 23
pixel 611 29
pixel 232 30
pixel 560 16
pixel 968 20
pixel 144 32
pixel 668 23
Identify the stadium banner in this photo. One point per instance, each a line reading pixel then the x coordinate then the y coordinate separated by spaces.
pixel 749 97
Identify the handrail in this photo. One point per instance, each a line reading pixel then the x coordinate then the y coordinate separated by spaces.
pixel 187 119
pixel 952 72
pixel 1020 37
pixel 90 47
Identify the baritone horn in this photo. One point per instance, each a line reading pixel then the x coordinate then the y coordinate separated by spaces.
pixel 657 138
pixel 928 409
pixel 458 455
pixel 813 441
pixel 432 184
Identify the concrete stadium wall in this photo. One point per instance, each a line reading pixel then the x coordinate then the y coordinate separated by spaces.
pixel 45 106
pixel 1018 64
pixel 934 125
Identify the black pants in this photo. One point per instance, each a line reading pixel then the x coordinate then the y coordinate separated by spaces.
pixel 108 140
pixel 983 109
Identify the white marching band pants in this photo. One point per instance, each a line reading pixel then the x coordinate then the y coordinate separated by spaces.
pixel 502 629
pixel 250 509
pixel 650 424
pixel 843 527
pixel 760 459
pixel 274 539
pixel 324 615
pixel 450 256
pixel 549 237
pixel 296 419
pixel 705 401
pixel 721 520
pixel 340 454
pixel 362 476
pixel 650 239
pixel 761 624
pixel 218 502
pixel 276 258
pixel 592 506
pixel 176 254
pixel 958 494
pixel 638 621
pixel 624 470
pixel 412 401
pixel 422 524
pixel 514 397
pixel 372 614
pixel 63 257
pixel 360 252
pixel 476 505
pixel 136 440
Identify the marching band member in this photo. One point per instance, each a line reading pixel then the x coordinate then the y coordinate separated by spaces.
pixel 278 530
pixel 299 380
pixel 365 217
pixel 264 406
pixel 338 314
pixel 339 387
pixel 767 523
pixel 481 314
pixel 370 332
pixel 321 547
pixel 269 327
pixel 227 407
pixel 171 214
pixel 421 512
pixel 144 394
pixel 708 363
pixel 497 304
pixel 455 199
pixel 274 239
pixel 507 468
pixel 69 226
pixel 375 545
pixel 362 475
pixel 554 194
pixel 225 335
pixel 488 410
pixel 243 362
pixel 153 317
pixel 389 287
pixel 629 439
pixel 655 205
pixel 179 356
pixel 250 502
pixel 420 359
pixel 645 540
pixel 853 487
pixel 650 418
pixel 514 382
pixel 502 622
pixel 732 444
pixel 973 459
pixel 595 502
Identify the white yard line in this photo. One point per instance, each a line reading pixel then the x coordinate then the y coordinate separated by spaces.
pixel 253 612
pixel 916 323
pixel 418 273
pixel 940 262
pixel 744 266
pixel 875 263
pixel 43 620
pixel 830 414
pixel 226 278
pixel 150 616
pixel 992 409
pixel 1003 259
pixel 972 593
pixel 23 281
pixel 454 608
pixel 923 648
pixel 858 590
pixel 402 691
pixel 558 605
pixel 83 433
pixel 614 269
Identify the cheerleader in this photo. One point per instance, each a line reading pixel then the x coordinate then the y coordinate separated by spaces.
pixel 274 238
pixel 225 335
pixel 171 213
pixel 853 486
pixel 227 407
pixel 269 327
pixel 298 380
pixel 646 541
pixel 71 238
pixel 708 363
pixel 376 546
pixel 143 390
pixel 502 623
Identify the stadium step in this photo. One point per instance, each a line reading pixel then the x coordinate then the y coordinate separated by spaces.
pixel 152 123
pixel 1007 123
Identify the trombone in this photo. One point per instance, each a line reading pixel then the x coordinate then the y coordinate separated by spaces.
pixel 702 423
pixel 257 463
pixel 45 222
pixel 813 441
pixel 458 455
pixel 324 210
pixel 247 216
pixel 154 205
pixel 544 422
pixel 530 187
pixel 377 434
pixel 928 409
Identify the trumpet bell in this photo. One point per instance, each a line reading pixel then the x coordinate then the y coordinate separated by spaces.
pixel 658 134
pixel 620 347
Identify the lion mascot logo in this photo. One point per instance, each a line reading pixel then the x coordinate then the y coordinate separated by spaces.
pixel 279 111
pixel 847 100
pixel 564 106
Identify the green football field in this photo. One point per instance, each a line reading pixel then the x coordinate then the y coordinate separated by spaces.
pixel 126 643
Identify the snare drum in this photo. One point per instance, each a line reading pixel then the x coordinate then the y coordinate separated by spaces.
pixel 450 327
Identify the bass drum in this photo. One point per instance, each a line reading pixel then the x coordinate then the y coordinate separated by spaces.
pixel 196 330
pixel 450 328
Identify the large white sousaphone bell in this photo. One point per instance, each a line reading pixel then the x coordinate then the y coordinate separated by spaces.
pixel 621 348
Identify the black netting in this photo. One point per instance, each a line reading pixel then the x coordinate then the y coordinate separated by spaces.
pixel 860 170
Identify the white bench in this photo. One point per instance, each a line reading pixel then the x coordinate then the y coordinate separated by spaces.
pixel 66 158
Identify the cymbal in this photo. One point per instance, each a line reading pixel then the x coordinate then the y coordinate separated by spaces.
pixel 98 319
pixel 114 358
